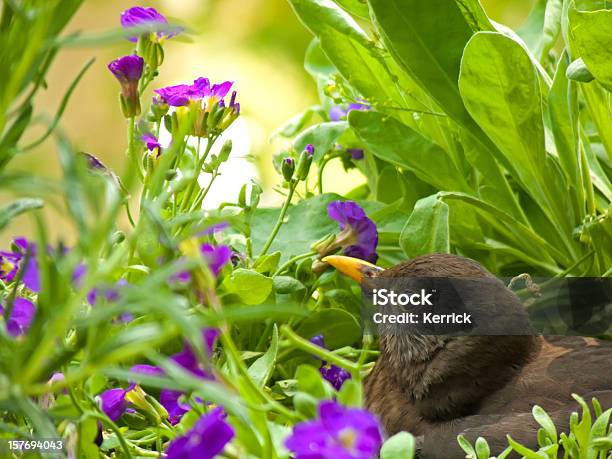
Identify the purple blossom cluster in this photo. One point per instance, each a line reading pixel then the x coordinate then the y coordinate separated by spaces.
pixel 114 401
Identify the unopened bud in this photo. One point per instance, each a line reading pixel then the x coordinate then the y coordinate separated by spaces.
pixel 225 151
pixel 287 168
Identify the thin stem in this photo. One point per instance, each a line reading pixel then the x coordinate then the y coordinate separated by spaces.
pixel 324 354
pixel 203 192
pixel 281 217
pixel 320 172
pixel 293 260
pixel 194 182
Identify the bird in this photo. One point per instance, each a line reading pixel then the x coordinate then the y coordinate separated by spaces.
pixel 438 387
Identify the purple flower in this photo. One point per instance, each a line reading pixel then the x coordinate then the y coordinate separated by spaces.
pixel 127 69
pixel 334 374
pixel 11 262
pixel 338 433
pixel 336 113
pixel 172 401
pixel 113 402
pixel 138 16
pixel 152 143
pixel 309 149
pixel 358 235
pixel 216 256
pixel 21 317
pixel 318 340
pixel 181 94
pixel 356 153
pixel 205 440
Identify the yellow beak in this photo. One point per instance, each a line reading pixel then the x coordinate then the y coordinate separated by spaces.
pixel 353 267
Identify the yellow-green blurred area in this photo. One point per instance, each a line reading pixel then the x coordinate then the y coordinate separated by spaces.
pixel 259 44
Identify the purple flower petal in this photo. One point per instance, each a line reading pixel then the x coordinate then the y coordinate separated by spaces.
pixel 113 402
pixel 339 433
pixel 171 400
pixel 139 16
pixel 336 113
pixel 22 315
pixel 356 153
pixel 318 340
pixel 127 69
pixel 216 256
pixel 357 230
pixel 152 143
pixel 220 90
pixel 334 374
pixel 205 440
pixel 214 228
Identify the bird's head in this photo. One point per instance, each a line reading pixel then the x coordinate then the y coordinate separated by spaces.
pixel 398 343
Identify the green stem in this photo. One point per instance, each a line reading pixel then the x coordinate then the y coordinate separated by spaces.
pixel 131 152
pixel 281 217
pixel 293 260
pixel 203 192
pixel 324 354
pixel 198 169
pixel 320 172
pixel 122 441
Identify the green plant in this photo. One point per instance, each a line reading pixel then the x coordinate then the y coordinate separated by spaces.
pixel 586 438
pixel 481 140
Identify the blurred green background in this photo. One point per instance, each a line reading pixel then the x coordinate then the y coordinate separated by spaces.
pixel 259 44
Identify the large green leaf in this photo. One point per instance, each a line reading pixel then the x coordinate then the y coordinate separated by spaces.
pixel 592 41
pixel 412 30
pixel 500 87
pixel 426 230
pixel 402 146
pixel 318 15
pixel 321 136
pixel 427 38
pixel 251 286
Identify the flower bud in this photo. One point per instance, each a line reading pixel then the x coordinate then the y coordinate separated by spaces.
pixel 225 151
pixel 128 71
pixel 287 168
pixel 304 162
pixel 159 108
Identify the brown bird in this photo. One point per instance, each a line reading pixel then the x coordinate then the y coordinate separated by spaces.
pixel 438 387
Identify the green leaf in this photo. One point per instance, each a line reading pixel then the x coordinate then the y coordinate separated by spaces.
pixel 524 451
pixel 482 448
pixel 295 124
pixel 411 31
pixel 251 286
pixel 351 393
pixel 305 223
pixel 396 143
pixel 268 263
pixel 357 7
pixel 261 370
pixel 319 14
pixel 500 87
pixel 17 207
pixel 466 446
pixel 310 381
pixel 591 40
pixel 475 15
pixel 545 421
pixel 322 137
pixel 399 446
pixel 287 284
pixel 362 66
pixel 338 327
pixel 316 62
pixel 426 230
